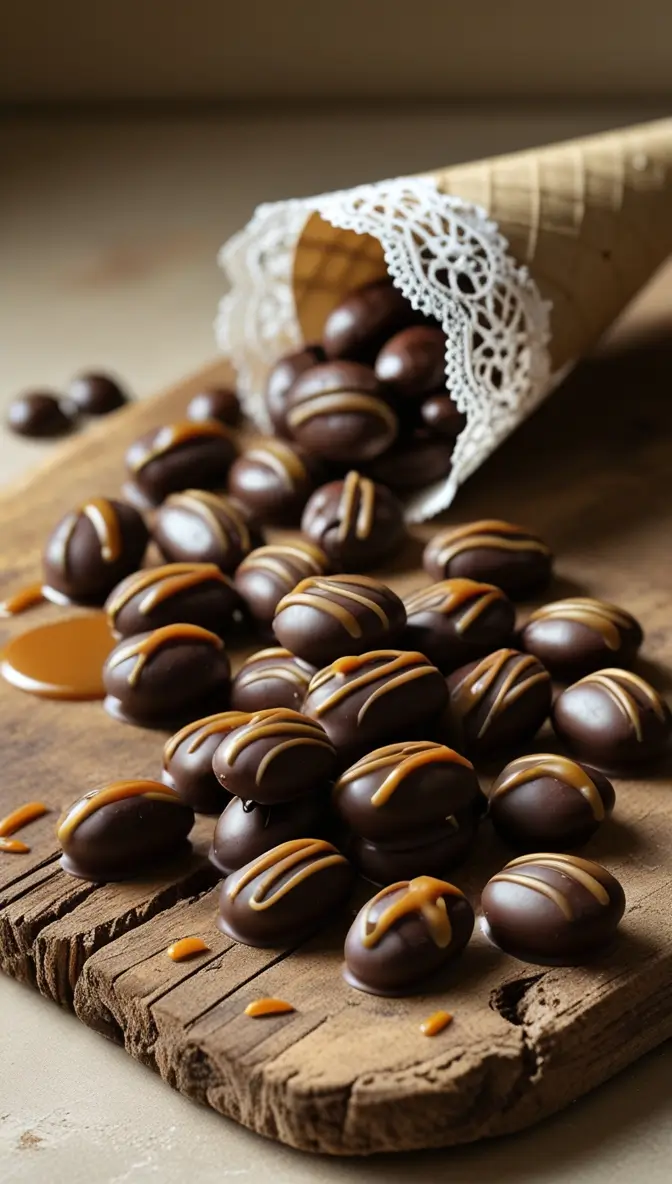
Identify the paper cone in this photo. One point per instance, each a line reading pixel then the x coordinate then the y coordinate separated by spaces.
pixel 591 218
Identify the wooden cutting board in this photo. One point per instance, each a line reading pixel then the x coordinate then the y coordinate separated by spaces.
pixel 347 1072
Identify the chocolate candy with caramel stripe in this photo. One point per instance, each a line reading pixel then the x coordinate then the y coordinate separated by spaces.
pixel 549 802
pixel 92 548
pixel 326 617
pixel 197 526
pixel 574 637
pixel 613 719
pixel 272 480
pixel 455 621
pixel 197 593
pixel 187 761
pixel 498 702
pixel 355 521
pixel 337 411
pixel 276 755
pixel 271 678
pixel 509 556
pixel 269 573
pixel 246 830
pixel 177 456
pixel 282 377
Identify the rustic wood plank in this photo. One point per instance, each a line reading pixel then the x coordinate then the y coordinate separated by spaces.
pixel 348 1072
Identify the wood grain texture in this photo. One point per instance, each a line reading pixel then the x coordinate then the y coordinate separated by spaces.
pixel 346 1072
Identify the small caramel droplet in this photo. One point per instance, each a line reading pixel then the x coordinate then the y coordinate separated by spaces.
pixel 436 1023
pixel 261 1007
pixel 185 948
pixel 21 817
pixel 22 600
pixel 13 846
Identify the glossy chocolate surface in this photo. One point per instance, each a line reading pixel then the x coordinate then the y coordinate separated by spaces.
pixel 120 831
pixel 40 415
pixel 269 573
pixel 456 621
pixel 193 593
pixel 430 855
pixel 412 363
pixel 281 378
pixel 285 894
pixel 92 548
pixel 187 761
pixel 275 756
pixel 355 521
pixel 574 637
pixel 361 324
pixel 417 460
pixel 406 933
pixel 499 701
pixel 96 394
pixel 613 719
pixel 550 908
pixel 271 678
pixel 549 803
pixel 337 411
pixel 368 701
pixel 441 417
pixel 179 456
pixel 327 617
pixel 490 550
pixel 246 830
pixel 167 676
pixel 198 526
pixel 272 480
pixel 220 403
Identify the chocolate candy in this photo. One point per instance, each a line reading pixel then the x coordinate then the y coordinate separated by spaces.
pixel 40 415
pixel 497 552
pixel 613 719
pixel 498 702
pixel 552 909
pixel 407 791
pixel 187 761
pixel 326 617
pixel 354 521
pixel 440 415
pixel 171 674
pixel 96 394
pixel 197 593
pixel 367 701
pixel 246 830
pixel 285 894
pixel 218 403
pixel 337 411
pixel 92 548
pixel 404 934
pixel 179 456
pixel 275 756
pixel 413 362
pixel 269 573
pixel 281 378
pixel 271 678
pixel 361 324
pixel 574 637
pixel 549 802
pixel 120 831
pixel 197 526
pixel 457 621
pixel 272 480
pixel 414 462
pixel 384 863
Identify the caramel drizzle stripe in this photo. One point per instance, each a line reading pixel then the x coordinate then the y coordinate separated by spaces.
pixel 14 846
pixel 206 504
pixel 281 460
pixel 484 675
pixel 605 619
pixel 536 885
pixel 620 695
pixel 528 768
pixel 275 752
pixel 117 792
pixel 161 583
pixel 444 599
pixel 246 677
pixel 274 728
pixel 356 486
pixel 105 521
pixel 581 871
pixel 25 598
pixel 175 434
pixel 224 720
pixel 391 684
pixel 22 817
pixel 145 649
pixel 509 694
pixel 448 546
pixel 278 862
pixel 410 765
pixel 383 758
pixel 397 662
pixel 342 403
pixel 424 895
pixel 325 603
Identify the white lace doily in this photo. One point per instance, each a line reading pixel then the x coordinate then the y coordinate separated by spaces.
pixel 449 260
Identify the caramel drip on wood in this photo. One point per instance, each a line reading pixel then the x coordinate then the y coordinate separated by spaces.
pixel 580 871
pixel 261 1007
pixel 22 600
pixel 145 649
pixel 22 817
pixel 306 593
pixel 356 488
pixel 118 791
pixel 450 596
pixel 423 895
pixel 610 681
pixel 172 435
pixel 411 665
pixel 200 729
pixel 436 1023
pixel 490 533
pixel 475 685
pixel 294 673
pixel 405 760
pixel 207 504
pixel 14 847
pixel 280 559
pixel 281 861
pixel 547 764
pixel 342 403
pixel 185 948
pixel 282 460
pixel 163 582
pixel 606 619
pixel 273 724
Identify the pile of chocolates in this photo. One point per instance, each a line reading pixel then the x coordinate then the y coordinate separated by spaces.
pixel 358 738
pixel 45 414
